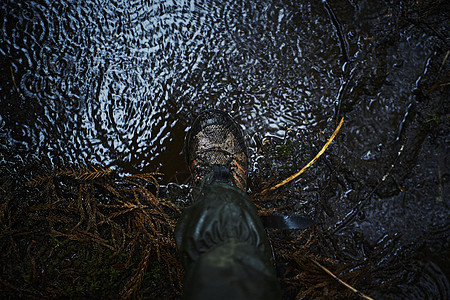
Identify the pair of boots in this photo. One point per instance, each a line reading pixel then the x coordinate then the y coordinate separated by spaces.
pixel 222 242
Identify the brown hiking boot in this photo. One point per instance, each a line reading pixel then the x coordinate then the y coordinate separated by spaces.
pixel 215 144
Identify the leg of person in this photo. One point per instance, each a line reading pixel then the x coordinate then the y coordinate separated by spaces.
pixel 221 239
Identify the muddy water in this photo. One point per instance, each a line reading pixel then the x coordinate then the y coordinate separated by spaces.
pixel 118 82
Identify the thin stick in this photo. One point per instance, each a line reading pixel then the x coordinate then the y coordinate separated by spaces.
pixel 15 85
pixel 289 179
pixel 340 281
pixel 443 61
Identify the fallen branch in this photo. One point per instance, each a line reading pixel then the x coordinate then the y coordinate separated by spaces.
pixel 289 179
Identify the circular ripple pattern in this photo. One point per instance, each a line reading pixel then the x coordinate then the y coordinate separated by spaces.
pixel 116 82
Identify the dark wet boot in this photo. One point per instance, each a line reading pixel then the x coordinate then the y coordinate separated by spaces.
pixel 223 244
pixel 215 144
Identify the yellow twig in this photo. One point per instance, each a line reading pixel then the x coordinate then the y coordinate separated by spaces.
pixel 340 281
pixel 289 179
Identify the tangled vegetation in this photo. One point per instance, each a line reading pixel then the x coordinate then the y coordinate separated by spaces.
pixel 85 232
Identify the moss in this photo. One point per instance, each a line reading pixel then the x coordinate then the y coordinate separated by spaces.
pixel 284 151
pixel 154 270
pixel 433 119
pixel 94 272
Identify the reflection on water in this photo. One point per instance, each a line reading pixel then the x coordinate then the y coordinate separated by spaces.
pixel 118 82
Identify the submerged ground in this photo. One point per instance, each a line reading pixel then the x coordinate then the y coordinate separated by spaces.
pixel 96 95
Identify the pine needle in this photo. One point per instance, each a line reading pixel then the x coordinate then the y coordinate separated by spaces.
pixel 289 179
pixel 34 182
pixel 84 174
pixel 340 281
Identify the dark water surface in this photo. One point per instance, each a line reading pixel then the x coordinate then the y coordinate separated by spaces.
pixel 117 83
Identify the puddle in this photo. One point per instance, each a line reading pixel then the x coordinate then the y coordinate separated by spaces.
pixel 117 83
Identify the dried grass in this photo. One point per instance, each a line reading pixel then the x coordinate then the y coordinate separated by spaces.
pixel 92 208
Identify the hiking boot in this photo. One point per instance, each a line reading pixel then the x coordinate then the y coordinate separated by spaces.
pixel 215 144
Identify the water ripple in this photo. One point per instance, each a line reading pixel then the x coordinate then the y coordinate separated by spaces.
pixel 110 70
